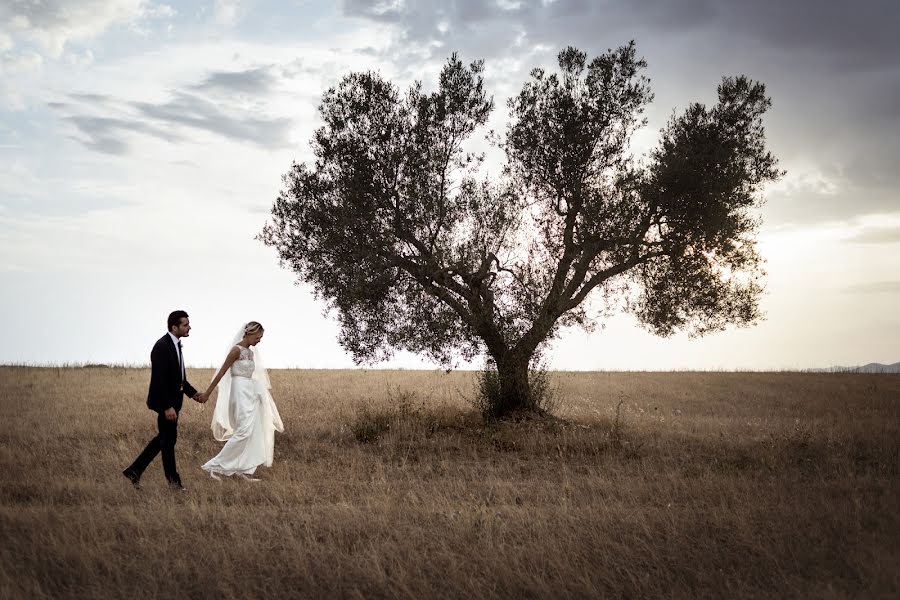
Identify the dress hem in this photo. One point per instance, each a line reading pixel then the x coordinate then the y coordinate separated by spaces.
pixel 231 473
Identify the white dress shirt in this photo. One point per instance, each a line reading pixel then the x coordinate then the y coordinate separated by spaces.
pixel 178 352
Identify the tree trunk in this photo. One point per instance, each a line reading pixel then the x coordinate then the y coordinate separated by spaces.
pixel 514 391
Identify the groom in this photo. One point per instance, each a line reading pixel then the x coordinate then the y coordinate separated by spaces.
pixel 167 383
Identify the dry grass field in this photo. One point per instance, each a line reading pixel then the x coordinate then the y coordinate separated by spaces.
pixel 715 485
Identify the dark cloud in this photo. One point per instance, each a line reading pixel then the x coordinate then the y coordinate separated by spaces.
pixel 831 68
pixel 861 34
pixel 253 82
pixel 90 98
pixel 218 104
pixel 194 111
pixel 858 33
pixel 108 135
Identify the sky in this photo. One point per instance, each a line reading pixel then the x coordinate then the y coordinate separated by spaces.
pixel 142 144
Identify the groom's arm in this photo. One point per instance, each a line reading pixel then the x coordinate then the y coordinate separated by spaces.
pixel 188 389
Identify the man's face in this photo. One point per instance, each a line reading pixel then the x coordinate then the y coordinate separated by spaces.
pixel 183 329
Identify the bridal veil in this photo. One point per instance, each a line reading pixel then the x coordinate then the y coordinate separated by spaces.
pixel 223 419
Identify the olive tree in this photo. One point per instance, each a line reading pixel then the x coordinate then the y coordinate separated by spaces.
pixel 413 247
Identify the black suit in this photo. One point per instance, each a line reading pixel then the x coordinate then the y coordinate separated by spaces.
pixel 167 385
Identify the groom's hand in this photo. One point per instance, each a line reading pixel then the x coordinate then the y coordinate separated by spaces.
pixel 171 415
pixel 200 397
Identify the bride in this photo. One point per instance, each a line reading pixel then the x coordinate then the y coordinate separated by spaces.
pixel 245 417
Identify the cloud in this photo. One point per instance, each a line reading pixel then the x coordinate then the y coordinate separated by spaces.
pixel 160 11
pixel 831 29
pixel 12 63
pixel 12 100
pixel 108 135
pixel 52 24
pixel 831 69
pixel 877 235
pixel 876 287
pixel 31 190
pixel 231 104
pixel 90 98
pixel 196 112
pixel 257 81
pixel 227 12
pixel 808 194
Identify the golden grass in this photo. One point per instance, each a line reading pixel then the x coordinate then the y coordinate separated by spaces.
pixel 724 485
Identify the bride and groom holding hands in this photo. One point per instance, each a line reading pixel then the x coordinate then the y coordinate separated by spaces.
pixel 245 416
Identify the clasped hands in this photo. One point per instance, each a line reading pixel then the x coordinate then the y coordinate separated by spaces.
pixel 172 415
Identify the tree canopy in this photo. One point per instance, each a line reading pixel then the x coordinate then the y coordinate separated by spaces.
pixel 396 226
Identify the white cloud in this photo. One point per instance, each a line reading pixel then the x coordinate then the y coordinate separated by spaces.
pixel 227 12
pixel 12 63
pixel 509 4
pixel 806 178
pixel 79 59
pixel 19 22
pixel 12 100
pixel 160 11
pixel 54 23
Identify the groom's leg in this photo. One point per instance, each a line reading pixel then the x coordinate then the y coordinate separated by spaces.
pixel 168 434
pixel 146 457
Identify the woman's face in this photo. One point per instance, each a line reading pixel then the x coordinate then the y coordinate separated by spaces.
pixel 255 338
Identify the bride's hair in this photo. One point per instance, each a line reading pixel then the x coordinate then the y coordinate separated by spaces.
pixel 253 327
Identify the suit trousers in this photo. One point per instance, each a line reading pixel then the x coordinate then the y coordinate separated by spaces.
pixel 165 443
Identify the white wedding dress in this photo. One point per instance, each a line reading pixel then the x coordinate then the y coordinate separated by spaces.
pixel 245 418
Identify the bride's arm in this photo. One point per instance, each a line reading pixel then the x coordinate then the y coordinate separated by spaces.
pixel 229 360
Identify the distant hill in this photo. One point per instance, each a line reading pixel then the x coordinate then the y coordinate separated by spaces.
pixel 869 368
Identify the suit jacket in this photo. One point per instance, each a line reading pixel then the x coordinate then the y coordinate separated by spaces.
pixel 166 384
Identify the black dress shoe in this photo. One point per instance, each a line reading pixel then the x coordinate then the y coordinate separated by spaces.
pixel 176 486
pixel 133 477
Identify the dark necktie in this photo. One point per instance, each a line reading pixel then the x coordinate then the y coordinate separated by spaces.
pixel 181 360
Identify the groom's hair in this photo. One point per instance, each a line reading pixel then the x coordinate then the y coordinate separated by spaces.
pixel 175 318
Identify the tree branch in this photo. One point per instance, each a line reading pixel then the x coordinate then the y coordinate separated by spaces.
pixel 570 251
pixel 435 284
pixel 601 276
